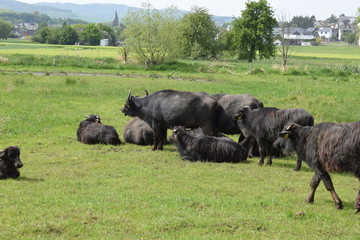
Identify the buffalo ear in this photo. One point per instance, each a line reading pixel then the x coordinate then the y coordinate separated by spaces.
pixel 175 130
pixel 238 117
pixel 285 134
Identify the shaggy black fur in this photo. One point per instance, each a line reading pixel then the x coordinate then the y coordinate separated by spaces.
pixel 327 147
pixel 10 162
pixel 92 131
pixel 264 125
pixel 207 148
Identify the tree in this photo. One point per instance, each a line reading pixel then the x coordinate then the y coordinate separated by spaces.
pixel 152 34
pixel 350 38
pixel 285 48
pixel 303 22
pixel 42 35
pixel 54 36
pixel 68 36
pixel 91 35
pixel 252 33
pixel 198 32
pixel 108 33
pixel 5 29
pixel 332 19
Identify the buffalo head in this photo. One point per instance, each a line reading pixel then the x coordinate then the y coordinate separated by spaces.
pixel 242 113
pixel 132 105
pixel 93 118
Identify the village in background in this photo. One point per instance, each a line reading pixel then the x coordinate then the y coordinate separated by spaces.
pixel 332 29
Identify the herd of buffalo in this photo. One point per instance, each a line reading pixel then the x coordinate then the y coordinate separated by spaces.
pixel 199 122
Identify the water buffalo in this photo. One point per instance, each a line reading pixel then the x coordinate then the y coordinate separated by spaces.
pixel 194 147
pixel 326 147
pixel 138 132
pixel 166 109
pixel 264 125
pixel 10 162
pixel 229 105
pixel 92 131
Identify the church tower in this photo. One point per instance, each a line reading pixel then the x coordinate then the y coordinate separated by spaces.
pixel 116 20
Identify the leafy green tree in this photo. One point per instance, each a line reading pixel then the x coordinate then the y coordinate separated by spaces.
pixel 54 36
pixel 303 22
pixel 5 29
pixel 91 35
pixel 198 32
pixel 107 32
pixel 350 38
pixel 152 34
pixel 252 33
pixel 68 36
pixel 42 35
pixel 332 19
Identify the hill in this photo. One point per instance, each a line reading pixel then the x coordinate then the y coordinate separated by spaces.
pixel 89 12
pixel 30 8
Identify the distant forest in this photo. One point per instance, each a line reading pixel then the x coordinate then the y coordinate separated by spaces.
pixel 15 17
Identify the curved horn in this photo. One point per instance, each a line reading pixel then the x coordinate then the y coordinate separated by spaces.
pixel 129 96
pixel 146 92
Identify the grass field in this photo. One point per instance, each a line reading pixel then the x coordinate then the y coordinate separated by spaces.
pixel 68 190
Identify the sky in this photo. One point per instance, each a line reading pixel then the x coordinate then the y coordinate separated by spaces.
pixel 321 9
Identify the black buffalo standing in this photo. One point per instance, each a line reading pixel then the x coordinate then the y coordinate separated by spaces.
pixel 92 131
pixel 10 162
pixel 327 147
pixel 264 125
pixel 166 109
pixel 194 146
pixel 138 132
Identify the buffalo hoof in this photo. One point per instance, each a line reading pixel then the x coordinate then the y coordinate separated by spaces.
pixel 309 200
pixel 339 205
pixel 296 169
pixel 357 207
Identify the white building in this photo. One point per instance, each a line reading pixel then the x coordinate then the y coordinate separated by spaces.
pixel 104 42
pixel 325 33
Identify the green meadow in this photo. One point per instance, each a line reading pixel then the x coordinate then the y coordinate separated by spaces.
pixel 69 190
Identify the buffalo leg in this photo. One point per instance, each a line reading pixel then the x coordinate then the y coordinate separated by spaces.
pixel 156 142
pixel 298 164
pixel 162 138
pixel 262 151
pixel 248 144
pixel 314 184
pixel 357 203
pixel 269 152
pixel 325 177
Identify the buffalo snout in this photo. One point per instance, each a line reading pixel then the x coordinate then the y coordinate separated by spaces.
pixel 18 164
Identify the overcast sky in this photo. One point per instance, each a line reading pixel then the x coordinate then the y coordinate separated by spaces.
pixel 321 9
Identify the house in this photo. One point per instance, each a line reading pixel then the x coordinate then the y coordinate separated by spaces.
pixel 345 25
pixel 325 33
pixel 295 36
pixel 25 30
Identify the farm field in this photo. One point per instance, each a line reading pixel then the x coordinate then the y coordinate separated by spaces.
pixel 69 190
